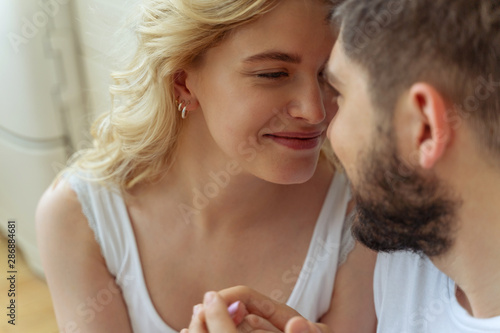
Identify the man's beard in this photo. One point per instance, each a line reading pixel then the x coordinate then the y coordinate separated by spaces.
pixel 402 211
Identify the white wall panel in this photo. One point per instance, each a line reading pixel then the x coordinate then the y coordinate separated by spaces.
pixel 106 40
pixel 25 173
pixel 41 110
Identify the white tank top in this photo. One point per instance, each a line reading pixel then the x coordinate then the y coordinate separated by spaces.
pixel 414 296
pixel 107 215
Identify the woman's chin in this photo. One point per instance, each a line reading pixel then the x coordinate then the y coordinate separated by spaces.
pixel 289 176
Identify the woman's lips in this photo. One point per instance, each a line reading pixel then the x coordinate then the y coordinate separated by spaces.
pixel 297 140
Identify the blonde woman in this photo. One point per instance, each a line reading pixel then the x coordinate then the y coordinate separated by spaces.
pixel 208 174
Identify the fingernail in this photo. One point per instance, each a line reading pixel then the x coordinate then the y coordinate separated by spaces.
pixel 233 308
pixel 209 298
pixel 196 310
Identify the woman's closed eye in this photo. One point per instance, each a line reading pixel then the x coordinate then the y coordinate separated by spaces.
pixel 273 75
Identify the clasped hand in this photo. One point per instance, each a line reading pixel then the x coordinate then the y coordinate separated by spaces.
pixel 254 312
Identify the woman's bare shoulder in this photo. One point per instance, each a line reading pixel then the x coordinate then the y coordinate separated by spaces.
pixel 59 207
pixel 60 220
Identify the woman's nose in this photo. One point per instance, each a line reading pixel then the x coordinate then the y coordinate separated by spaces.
pixel 307 103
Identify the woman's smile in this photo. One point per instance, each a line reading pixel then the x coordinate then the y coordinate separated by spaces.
pixel 298 140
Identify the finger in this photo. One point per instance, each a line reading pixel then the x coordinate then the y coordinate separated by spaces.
pixel 238 312
pixel 216 315
pixel 197 325
pixel 276 313
pixel 302 325
pixel 253 323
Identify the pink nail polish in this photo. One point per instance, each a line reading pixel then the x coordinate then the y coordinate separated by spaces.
pixel 233 308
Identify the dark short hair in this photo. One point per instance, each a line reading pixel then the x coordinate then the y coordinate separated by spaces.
pixel 454 45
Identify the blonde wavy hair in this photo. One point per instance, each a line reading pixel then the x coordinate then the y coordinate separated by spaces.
pixel 136 140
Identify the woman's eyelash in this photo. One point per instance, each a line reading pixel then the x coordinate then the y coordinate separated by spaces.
pixel 273 75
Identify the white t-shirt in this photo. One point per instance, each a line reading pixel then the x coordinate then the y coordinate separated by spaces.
pixel 413 296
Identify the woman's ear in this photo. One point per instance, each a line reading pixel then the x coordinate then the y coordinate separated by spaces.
pixel 184 90
pixel 434 128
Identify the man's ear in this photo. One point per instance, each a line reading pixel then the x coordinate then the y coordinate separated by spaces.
pixel 183 90
pixel 434 128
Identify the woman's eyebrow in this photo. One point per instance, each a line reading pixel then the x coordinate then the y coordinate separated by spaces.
pixel 274 56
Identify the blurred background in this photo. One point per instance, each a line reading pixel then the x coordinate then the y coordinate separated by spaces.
pixel 55 61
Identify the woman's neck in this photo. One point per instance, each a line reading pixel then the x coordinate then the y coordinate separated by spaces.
pixel 205 190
